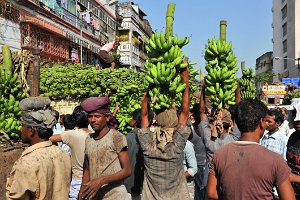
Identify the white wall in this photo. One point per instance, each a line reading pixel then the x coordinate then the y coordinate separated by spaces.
pixel 10 34
pixel 297 29
pixel 277 38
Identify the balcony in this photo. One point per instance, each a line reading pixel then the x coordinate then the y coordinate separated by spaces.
pixel 143 56
pixel 76 22
pixel 70 18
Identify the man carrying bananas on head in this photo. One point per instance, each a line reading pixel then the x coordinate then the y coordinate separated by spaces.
pixel 218 132
pixel 163 150
pixel 106 59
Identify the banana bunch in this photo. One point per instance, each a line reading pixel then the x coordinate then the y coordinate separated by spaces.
pixel 161 47
pixel 21 61
pixel 10 123
pixel 163 69
pixel 10 95
pixel 221 66
pixel 248 89
pixel 129 98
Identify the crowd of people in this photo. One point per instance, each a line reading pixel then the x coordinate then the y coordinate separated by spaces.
pixel 244 152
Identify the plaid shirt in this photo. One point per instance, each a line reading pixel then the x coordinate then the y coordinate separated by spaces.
pixel 164 177
pixel 275 142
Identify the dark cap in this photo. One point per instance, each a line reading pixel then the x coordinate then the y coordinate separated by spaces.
pixel 96 104
pixel 34 103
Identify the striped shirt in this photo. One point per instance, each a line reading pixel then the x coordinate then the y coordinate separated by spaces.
pixel 275 142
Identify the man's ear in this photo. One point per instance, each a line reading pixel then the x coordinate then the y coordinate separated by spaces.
pixel 278 123
pixel 261 123
pixel 31 131
pixel 108 118
pixel 231 123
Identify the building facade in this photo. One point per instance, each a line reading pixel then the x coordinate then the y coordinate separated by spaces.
pixel 264 65
pixel 71 30
pixel 133 31
pixel 286 38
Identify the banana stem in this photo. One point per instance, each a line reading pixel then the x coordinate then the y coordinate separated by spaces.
pixel 7 60
pixel 170 19
pixel 243 64
pixel 223 25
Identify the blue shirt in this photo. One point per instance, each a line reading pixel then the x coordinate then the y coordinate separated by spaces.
pixel 134 182
pixel 189 161
pixel 275 142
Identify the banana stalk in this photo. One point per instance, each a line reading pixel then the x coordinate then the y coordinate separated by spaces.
pixel 169 19
pixel 223 25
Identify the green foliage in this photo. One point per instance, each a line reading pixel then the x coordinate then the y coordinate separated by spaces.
pixel 289 96
pixel 265 77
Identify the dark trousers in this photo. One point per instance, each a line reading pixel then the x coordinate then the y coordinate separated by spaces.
pixel 201 182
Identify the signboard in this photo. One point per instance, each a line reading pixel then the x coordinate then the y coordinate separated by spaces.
pixel 274 90
pixel 282 92
pixel 64 107
pixel 273 87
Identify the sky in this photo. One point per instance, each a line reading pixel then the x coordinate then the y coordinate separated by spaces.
pixel 248 25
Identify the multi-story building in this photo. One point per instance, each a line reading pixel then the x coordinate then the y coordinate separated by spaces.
pixel 263 66
pixel 60 29
pixel 133 31
pixel 286 38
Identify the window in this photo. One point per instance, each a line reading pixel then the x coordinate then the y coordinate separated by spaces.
pixel 284 12
pixel 271 100
pixel 285 63
pixel 284 45
pixel 284 29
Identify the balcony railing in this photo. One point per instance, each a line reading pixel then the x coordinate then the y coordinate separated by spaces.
pixel 70 18
pixel 75 21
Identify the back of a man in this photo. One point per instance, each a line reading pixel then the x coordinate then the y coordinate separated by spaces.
pixel 48 173
pixel 163 149
pixel 248 171
pixel 44 170
pixel 245 170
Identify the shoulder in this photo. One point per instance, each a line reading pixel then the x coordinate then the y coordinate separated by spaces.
pixel 117 136
pixel 131 136
pixel 294 139
pixel 26 164
pixel 268 155
pixel 69 133
pixel 146 130
pixel 189 144
pixel 183 129
pixel 54 152
pixel 282 136
pixel 116 133
pixel 224 149
pixel 203 123
pixel 42 155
